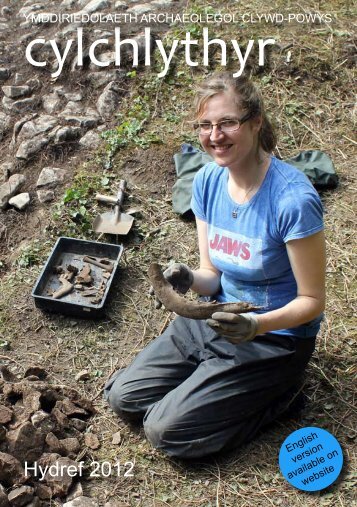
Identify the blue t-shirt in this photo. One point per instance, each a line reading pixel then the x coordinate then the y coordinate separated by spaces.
pixel 250 250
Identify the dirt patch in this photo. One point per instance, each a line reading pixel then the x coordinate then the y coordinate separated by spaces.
pixel 42 429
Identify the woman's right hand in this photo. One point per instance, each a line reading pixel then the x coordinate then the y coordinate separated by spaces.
pixel 180 276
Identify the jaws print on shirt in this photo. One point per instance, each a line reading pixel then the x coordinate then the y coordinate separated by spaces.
pixel 234 248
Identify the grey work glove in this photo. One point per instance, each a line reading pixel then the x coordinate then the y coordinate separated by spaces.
pixel 180 276
pixel 236 328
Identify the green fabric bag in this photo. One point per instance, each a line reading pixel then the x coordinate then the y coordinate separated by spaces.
pixel 318 167
pixel 186 164
pixel 316 164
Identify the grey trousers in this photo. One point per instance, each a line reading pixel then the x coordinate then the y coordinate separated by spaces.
pixel 198 394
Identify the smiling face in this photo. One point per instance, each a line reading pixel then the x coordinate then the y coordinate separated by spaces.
pixel 231 149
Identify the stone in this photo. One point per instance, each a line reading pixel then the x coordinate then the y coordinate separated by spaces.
pixel 2 433
pixel 140 9
pixel 70 445
pixel 60 418
pixel 26 37
pixel 50 177
pixel 78 424
pixel 51 103
pixel 82 375
pixel 14 92
pixel 11 471
pixel 21 496
pixel 4 124
pixel 116 438
pixel 106 57
pixel 70 409
pixel 115 503
pixel 85 58
pixel 5 414
pixel 75 492
pixel 19 78
pixel 38 417
pixel 90 140
pixel 26 442
pixel 91 440
pixel 61 477
pixel 73 97
pixel 20 201
pixel 65 134
pixel 44 492
pixel 53 443
pixel 7 169
pixel 9 376
pixel 100 78
pixel 68 4
pixel 81 501
pixel 10 188
pixel 18 106
pixel 69 29
pixel 83 121
pixel 47 459
pixel 95 5
pixel 161 3
pixel 72 108
pixel 4 74
pixel 45 196
pixel 29 148
pixel 39 125
pixel 18 126
pixel 4 502
pixel 108 101
pixel 34 83
pixel 25 11
pixel 6 11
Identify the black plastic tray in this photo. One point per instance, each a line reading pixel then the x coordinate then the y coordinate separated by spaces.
pixel 71 251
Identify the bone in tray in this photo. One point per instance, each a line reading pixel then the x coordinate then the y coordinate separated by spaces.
pixel 79 279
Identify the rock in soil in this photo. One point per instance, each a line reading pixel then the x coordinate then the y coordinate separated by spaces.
pixel 81 501
pixel 38 417
pixel 116 438
pixel 60 476
pixel 28 149
pixel 5 414
pixel 82 375
pixel 21 496
pixel 91 441
pixel 20 201
pixel 10 188
pixel 26 442
pixel 75 492
pixel 4 502
pixel 13 92
pixel 2 433
pixel 45 195
pixel 50 177
pixel 11 471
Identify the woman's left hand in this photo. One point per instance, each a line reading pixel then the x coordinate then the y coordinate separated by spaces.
pixel 237 328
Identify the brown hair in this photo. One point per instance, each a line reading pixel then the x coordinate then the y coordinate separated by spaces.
pixel 248 98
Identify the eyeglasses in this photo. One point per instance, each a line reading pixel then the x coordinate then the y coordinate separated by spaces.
pixel 205 128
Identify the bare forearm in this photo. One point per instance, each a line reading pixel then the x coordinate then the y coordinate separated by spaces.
pixel 206 282
pixel 299 311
